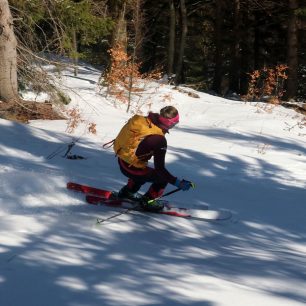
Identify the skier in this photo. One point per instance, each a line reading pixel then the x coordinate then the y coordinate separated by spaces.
pixel 140 139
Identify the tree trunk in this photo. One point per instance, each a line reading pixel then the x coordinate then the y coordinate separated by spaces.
pixel 245 49
pixel 75 52
pixel 171 46
pixel 120 35
pixel 292 50
pixel 8 55
pixel 235 63
pixel 257 41
pixel 138 22
pixel 179 66
pixel 216 87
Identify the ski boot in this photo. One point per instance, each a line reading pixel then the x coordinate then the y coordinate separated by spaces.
pixel 148 204
pixel 125 194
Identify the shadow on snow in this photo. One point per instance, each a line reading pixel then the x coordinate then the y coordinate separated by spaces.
pixel 144 259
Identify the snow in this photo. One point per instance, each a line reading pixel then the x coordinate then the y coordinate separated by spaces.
pixel 246 158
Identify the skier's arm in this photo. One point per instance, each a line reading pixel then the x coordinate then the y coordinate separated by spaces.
pixel 159 153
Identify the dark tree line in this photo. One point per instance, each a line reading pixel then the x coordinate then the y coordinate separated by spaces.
pixel 227 40
pixel 212 45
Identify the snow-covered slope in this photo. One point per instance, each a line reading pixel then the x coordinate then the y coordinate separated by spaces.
pixel 242 157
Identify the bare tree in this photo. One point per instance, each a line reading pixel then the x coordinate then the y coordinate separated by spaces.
pixel 138 25
pixel 8 55
pixel 235 64
pixel 136 41
pixel 184 29
pixel 171 46
pixel 218 46
pixel 120 33
pixel 292 49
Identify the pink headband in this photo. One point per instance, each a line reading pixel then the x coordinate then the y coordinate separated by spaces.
pixel 169 122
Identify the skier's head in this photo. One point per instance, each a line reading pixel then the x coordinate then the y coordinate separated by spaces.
pixel 169 117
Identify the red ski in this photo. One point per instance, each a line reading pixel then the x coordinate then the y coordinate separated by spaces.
pixel 97 196
pixel 90 190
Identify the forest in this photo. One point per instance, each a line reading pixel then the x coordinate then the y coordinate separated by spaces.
pixel 239 49
pixel 227 159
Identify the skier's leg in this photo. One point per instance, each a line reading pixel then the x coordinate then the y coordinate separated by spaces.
pixel 130 189
pixel 156 190
pixel 136 178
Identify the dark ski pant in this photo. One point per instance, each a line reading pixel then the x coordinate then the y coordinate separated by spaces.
pixel 138 177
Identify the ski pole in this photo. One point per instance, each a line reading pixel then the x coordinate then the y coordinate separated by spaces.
pixel 164 195
pixel 126 211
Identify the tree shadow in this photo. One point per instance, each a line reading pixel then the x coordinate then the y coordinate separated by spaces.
pixel 53 253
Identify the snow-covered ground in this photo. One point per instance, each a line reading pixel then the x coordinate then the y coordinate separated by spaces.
pixel 243 157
